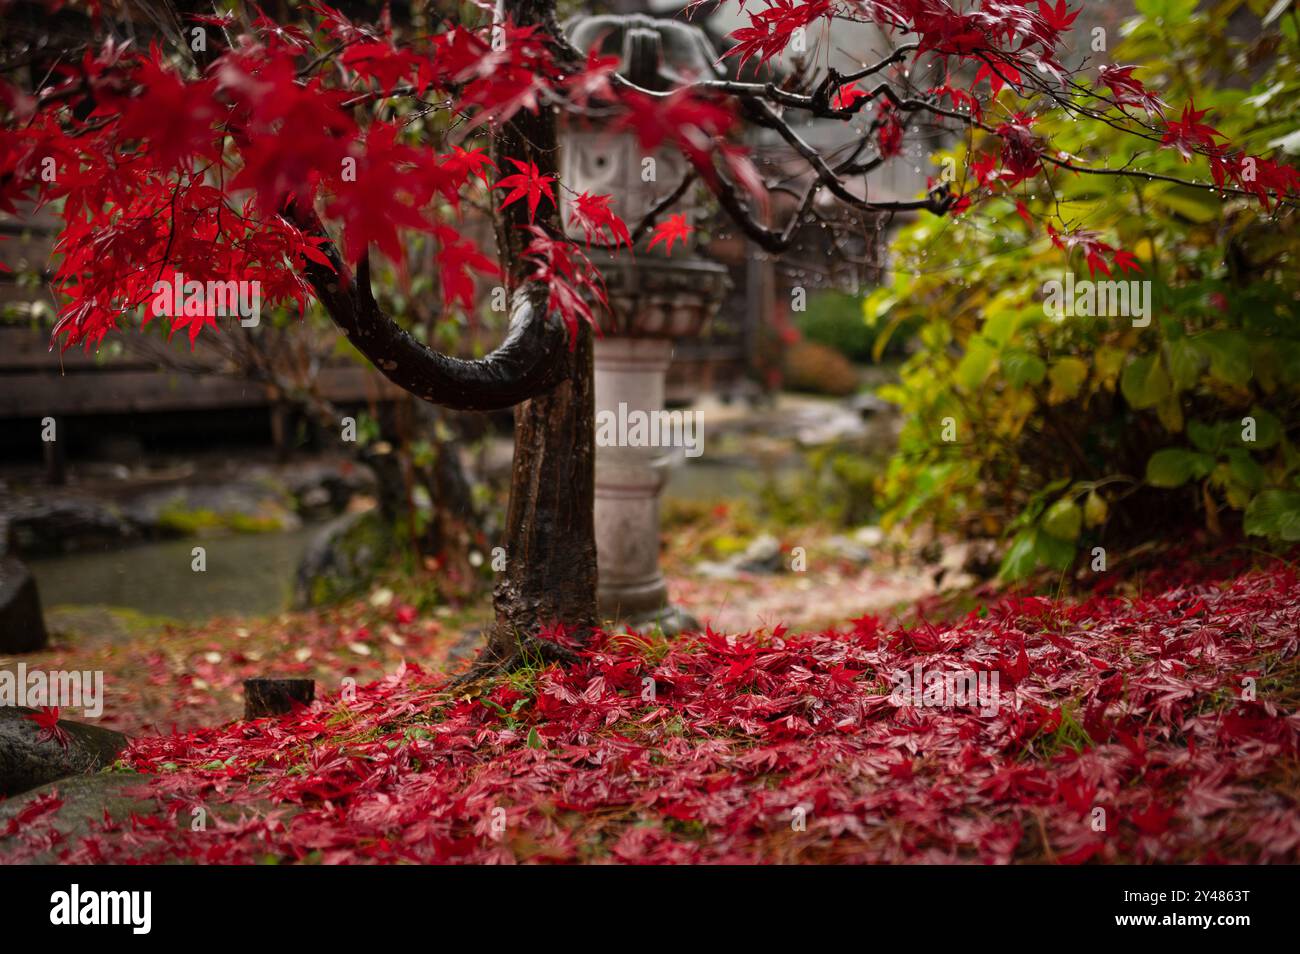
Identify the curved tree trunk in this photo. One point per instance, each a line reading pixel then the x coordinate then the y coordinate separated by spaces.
pixel 550 573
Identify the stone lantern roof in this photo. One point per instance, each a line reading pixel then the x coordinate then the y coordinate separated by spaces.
pixel 650 296
pixel 656 54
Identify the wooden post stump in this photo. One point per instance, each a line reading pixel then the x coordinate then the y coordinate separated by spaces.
pixel 265 697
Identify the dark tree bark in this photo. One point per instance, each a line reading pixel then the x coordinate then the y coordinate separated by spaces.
pixel 264 696
pixel 550 574
pixel 529 361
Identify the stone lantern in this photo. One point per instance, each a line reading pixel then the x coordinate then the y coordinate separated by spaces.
pixel 654 300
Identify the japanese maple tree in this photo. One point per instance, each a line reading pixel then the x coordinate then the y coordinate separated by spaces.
pixel 231 146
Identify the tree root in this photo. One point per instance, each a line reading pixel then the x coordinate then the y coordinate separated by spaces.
pixel 522 652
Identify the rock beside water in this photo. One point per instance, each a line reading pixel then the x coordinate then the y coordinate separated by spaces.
pixel 86 799
pixel 51 524
pixel 342 558
pixel 22 628
pixel 27 761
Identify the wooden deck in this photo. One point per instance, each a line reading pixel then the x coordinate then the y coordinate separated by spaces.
pixel 36 381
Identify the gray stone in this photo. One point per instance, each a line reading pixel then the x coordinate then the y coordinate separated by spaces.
pixel 324 489
pixel 670 620
pixel 713 570
pixel 50 525
pixel 86 799
pixel 26 761
pixel 22 628
pixel 846 548
pixel 341 559
pixel 763 555
pixel 869 537
pixel 867 404
pixel 118 795
pixel 835 425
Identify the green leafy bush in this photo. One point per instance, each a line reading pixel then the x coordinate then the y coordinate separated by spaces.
pixel 838 320
pixel 1064 434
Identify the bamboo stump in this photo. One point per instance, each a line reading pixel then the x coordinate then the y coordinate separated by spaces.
pixel 267 697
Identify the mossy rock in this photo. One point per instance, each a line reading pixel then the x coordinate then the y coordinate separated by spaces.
pixel 116 795
pixel 342 559
pixel 242 507
pixel 73 625
pixel 86 799
pixel 26 761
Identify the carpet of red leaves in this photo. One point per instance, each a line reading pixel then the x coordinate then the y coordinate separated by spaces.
pixel 1134 705
pixel 180 676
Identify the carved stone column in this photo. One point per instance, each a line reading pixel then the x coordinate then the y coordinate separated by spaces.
pixel 653 299
pixel 630 372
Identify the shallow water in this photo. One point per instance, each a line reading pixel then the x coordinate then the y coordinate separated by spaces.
pixel 730 479
pixel 247 574
pixel 253 574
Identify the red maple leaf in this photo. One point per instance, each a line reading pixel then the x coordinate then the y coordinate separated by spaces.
pixel 573 281
pixel 959 98
pixel 1058 18
pixel 1154 819
pixel 383 197
pixel 40 805
pixel 1021 150
pixel 1022 210
pixel 1189 135
pixel 449 174
pixel 670 230
pixel 172 116
pixel 1125 261
pixel 1015 670
pixel 1093 249
pixel 1077 793
pixel 527 183
pixel 846 96
pixel 771 30
pixel 47 719
pixel 594 80
pixel 458 257
pixel 1096 263
pixel 687 120
pixel 889 137
pixel 593 214
pixel 382 62
pixel 1129 91
pixel 999 72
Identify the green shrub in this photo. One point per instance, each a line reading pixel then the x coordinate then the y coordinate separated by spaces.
pixel 834 319
pixel 1065 434
pixel 838 320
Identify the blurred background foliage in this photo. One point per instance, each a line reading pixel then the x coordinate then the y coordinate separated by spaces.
pixel 1079 432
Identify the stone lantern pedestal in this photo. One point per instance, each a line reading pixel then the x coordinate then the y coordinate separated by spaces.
pixel 630 372
pixel 653 301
